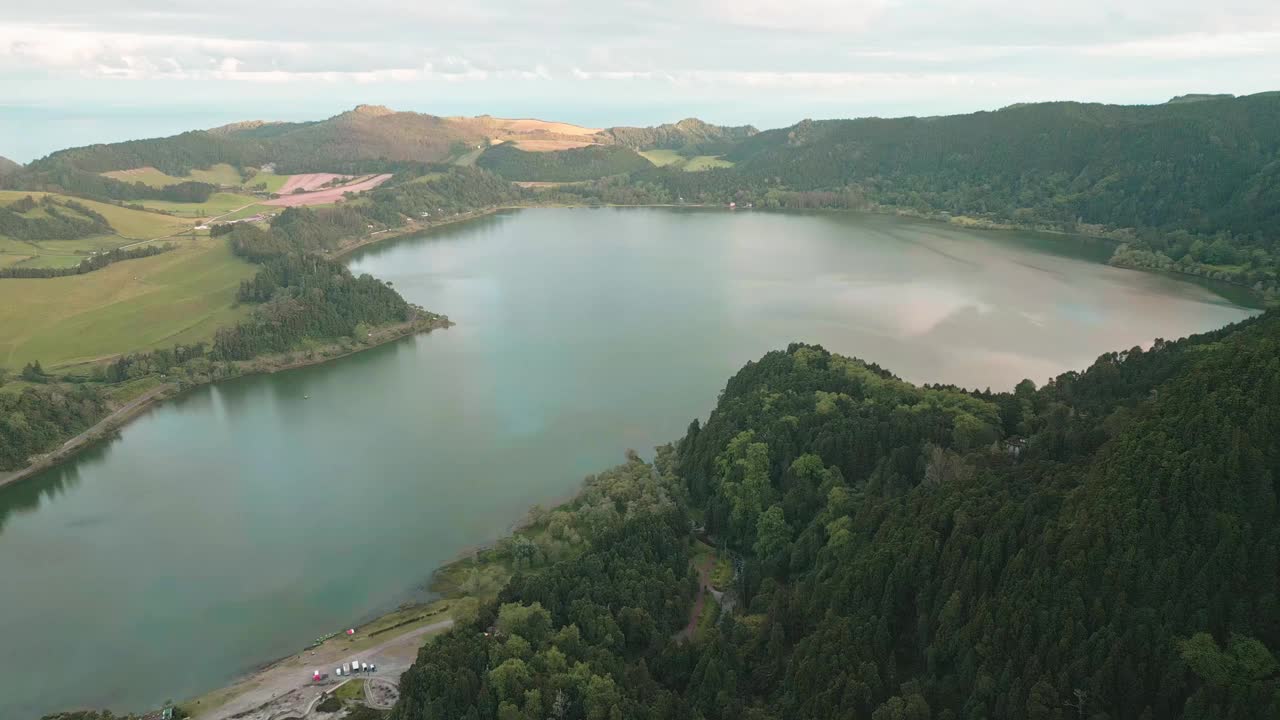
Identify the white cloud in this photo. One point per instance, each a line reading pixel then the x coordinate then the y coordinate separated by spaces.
pixel 1194 45
pixel 819 16
pixel 778 59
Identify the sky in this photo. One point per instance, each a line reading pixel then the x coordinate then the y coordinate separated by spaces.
pixel 74 72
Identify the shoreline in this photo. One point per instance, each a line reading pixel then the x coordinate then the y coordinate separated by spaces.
pixel 404 623
pixel 120 417
pixel 266 365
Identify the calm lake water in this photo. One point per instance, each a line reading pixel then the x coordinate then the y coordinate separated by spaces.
pixel 235 524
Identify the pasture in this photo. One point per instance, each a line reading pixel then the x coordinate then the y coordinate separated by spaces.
pixel 219 203
pixel 177 297
pixel 706 162
pixel 129 225
pixel 664 158
pixel 222 175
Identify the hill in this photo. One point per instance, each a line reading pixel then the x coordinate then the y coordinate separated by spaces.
pixel 689 137
pixel 1190 186
pixel 367 138
pixel 586 163
pixel 1103 547
pixel 50 231
pixel 1199 166
pixel 8 166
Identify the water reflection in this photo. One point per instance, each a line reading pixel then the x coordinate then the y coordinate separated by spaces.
pixel 244 519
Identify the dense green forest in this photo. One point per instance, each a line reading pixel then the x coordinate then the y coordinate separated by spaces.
pixel 40 417
pixel 574 165
pixel 425 192
pixel 301 295
pixel 1105 546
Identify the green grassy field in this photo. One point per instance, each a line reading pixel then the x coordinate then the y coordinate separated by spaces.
pixel 148 176
pixel 217 204
pixel 273 181
pixel 221 174
pixel 251 211
pixel 351 690
pixel 129 223
pixel 663 158
pixel 179 296
pixel 130 226
pixel 706 162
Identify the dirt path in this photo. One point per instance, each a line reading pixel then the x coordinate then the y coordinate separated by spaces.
pixel 102 427
pixel 286 689
pixel 695 613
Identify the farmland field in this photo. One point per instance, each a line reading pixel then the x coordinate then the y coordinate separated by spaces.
pixel 272 181
pixel 217 204
pixel 221 174
pixel 663 158
pixel 130 224
pixel 706 162
pixel 179 296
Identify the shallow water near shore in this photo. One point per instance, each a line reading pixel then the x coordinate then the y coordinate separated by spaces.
pixel 238 522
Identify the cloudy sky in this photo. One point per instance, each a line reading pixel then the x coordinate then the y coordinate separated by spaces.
pixel 77 71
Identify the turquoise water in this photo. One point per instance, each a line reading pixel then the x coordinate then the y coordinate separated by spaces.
pixel 236 523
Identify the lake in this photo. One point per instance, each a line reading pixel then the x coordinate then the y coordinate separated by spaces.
pixel 233 525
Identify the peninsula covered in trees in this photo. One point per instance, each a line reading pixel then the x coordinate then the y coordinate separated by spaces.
pixel 1104 546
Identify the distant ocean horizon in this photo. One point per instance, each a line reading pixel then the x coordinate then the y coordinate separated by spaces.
pixel 31 132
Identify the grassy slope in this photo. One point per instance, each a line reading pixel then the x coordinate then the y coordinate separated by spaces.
pixel 180 296
pixel 221 174
pixel 217 204
pixel 706 162
pixel 273 181
pixel 130 224
pixel 663 158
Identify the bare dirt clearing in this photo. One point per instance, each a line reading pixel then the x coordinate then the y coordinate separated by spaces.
pixel 286 689
pixel 524 125
pixel 328 195
pixel 548 145
pixel 308 181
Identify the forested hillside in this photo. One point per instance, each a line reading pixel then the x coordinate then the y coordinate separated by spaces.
pixel 1205 167
pixel 1106 546
pixel 574 165
pixel 1188 187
